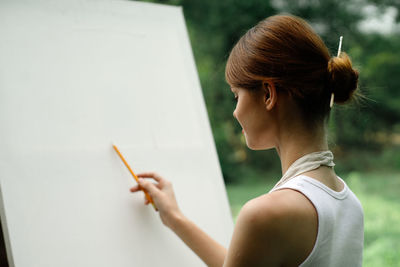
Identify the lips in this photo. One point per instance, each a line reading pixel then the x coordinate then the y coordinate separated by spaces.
pixel 242 131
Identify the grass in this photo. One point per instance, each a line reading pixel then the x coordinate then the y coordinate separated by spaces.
pixel 380 196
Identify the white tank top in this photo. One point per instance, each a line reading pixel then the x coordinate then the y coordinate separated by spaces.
pixel 340 235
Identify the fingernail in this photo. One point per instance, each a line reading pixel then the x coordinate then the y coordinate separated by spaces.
pixel 140 180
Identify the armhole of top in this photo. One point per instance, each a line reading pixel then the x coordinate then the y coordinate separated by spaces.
pixel 310 256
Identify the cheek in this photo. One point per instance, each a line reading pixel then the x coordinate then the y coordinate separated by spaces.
pixel 256 125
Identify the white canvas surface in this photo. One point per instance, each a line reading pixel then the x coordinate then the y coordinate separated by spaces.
pixel 75 76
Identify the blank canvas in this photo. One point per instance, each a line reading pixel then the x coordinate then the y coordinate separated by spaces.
pixel 76 75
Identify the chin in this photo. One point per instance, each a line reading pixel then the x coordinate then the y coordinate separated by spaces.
pixel 258 145
pixel 253 146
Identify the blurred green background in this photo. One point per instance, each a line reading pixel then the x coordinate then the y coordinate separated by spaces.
pixel 364 136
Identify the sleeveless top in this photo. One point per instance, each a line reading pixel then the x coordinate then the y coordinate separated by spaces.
pixel 340 236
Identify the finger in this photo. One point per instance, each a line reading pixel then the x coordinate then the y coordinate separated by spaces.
pixel 149 187
pixel 153 175
pixel 135 188
pixel 159 185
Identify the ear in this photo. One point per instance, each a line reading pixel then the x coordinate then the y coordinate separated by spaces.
pixel 270 95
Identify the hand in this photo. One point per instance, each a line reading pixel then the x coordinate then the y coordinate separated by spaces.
pixel 162 194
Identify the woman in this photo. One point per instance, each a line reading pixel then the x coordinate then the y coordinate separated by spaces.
pixel 284 79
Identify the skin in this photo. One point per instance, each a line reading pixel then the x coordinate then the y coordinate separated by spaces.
pixel 275 229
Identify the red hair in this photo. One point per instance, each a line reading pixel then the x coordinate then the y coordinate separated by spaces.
pixel 285 50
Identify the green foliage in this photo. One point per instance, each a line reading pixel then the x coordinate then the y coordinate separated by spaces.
pixel 380 73
pixel 368 160
pixel 378 193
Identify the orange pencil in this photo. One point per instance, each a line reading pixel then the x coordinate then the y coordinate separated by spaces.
pixel 134 176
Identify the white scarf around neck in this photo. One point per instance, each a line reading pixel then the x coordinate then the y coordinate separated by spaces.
pixel 306 163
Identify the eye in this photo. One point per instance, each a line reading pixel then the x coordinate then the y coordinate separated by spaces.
pixel 236 98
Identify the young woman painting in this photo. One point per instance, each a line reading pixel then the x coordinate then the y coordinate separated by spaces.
pixel 285 82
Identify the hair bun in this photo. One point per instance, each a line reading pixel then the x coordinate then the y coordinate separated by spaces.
pixel 343 79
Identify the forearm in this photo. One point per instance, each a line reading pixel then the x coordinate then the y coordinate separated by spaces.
pixel 210 251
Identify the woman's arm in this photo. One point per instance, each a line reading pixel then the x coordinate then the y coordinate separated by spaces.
pixel 210 251
pixel 268 228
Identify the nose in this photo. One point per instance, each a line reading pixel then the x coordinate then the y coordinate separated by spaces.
pixel 234 115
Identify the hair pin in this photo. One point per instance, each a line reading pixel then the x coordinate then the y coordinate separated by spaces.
pixel 338 54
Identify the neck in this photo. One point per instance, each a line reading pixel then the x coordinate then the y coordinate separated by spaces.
pixel 293 144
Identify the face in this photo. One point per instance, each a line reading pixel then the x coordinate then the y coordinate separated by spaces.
pixel 253 115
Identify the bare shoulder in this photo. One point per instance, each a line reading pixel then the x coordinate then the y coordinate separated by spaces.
pixel 280 213
pixel 285 204
pixel 273 226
